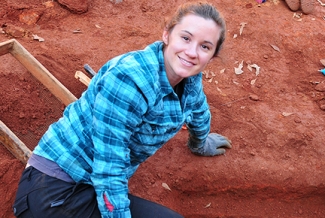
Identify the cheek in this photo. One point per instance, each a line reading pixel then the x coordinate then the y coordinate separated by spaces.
pixel 205 59
pixel 176 44
pixel 174 48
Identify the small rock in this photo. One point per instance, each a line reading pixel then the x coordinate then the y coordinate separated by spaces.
pixel 323 61
pixel 254 97
pixel 249 5
pixel 29 17
pixel 14 31
pixel 297 120
pixel 322 106
pixel 320 86
pixel 21 115
pixel 75 6
pixel 48 4
pixel 116 1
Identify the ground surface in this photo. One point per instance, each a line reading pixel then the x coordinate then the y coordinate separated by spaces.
pixel 275 119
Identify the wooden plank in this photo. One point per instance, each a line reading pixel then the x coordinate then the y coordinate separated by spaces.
pixel 6 46
pixel 82 77
pixel 41 73
pixel 13 144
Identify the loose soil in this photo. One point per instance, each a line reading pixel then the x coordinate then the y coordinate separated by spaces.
pixel 274 116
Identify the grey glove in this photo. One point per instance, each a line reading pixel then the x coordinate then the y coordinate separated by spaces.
pixel 214 145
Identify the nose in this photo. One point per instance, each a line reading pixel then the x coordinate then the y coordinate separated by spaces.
pixel 191 50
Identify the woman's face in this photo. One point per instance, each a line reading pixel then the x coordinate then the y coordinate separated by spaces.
pixel 189 47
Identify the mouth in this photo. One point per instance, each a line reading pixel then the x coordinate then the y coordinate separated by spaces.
pixel 186 63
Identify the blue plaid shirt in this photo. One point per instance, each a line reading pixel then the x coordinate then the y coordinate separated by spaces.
pixel 127 113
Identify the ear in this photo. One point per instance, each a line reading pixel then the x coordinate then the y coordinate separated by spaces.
pixel 165 37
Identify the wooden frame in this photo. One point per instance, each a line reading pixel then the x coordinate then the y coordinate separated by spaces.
pixel 13 47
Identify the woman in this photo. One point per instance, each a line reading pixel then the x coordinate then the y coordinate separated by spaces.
pixel 134 105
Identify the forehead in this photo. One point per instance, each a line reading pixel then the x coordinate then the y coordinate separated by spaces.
pixel 199 27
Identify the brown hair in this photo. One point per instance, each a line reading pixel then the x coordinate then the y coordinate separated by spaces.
pixel 204 10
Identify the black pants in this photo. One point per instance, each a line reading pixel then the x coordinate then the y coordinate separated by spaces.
pixel 40 195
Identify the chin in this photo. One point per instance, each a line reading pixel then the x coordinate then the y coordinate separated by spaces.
pixel 186 73
pixel 183 75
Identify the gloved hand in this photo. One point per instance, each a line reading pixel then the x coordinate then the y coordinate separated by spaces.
pixel 214 145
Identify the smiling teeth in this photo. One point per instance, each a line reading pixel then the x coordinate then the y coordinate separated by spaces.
pixel 186 62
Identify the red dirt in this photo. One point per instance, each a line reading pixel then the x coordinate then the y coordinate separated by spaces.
pixel 275 119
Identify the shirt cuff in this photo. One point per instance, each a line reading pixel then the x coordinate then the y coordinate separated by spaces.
pixel 117 214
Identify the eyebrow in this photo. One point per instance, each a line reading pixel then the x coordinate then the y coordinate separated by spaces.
pixel 192 35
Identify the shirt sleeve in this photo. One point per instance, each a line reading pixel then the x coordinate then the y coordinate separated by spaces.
pixel 199 127
pixel 116 113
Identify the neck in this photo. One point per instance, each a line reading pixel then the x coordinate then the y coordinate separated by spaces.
pixel 174 82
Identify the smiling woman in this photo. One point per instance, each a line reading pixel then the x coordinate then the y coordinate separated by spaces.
pixel 192 38
pixel 189 47
pixel 82 164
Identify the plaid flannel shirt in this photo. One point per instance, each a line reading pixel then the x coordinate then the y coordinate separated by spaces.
pixel 127 113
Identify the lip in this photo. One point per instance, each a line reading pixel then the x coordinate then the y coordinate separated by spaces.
pixel 185 62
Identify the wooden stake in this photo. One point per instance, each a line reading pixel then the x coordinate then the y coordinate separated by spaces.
pixel 8 138
pixel 41 73
pixel 6 46
pixel 82 77
pixel 13 144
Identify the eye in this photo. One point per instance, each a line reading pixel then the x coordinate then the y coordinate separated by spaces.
pixel 205 47
pixel 186 38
